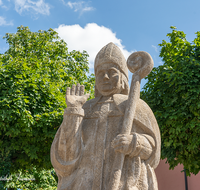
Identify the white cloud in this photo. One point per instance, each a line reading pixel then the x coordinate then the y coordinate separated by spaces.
pixel 3 5
pixel 35 6
pixel 80 6
pixel 90 38
pixel 3 22
pixel 156 49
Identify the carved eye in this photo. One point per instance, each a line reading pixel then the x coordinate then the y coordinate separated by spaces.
pixel 100 74
pixel 112 72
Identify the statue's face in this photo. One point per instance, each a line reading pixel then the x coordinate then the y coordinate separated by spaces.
pixel 108 79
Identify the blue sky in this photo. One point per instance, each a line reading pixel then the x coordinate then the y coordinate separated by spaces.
pixel 89 25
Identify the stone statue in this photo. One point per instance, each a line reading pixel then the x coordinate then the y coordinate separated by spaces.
pixel 94 149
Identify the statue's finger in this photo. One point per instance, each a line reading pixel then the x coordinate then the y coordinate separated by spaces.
pixel 121 135
pixel 114 143
pixel 119 143
pixel 87 96
pixel 68 91
pixel 82 89
pixel 118 136
pixel 77 89
pixel 119 149
pixel 122 139
pixel 73 89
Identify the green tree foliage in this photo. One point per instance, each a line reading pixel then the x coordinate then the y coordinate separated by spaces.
pixel 34 74
pixel 173 93
pixel 32 180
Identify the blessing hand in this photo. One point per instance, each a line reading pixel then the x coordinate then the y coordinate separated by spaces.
pixel 75 96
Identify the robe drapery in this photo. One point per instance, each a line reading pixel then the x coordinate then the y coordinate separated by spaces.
pixel 82 155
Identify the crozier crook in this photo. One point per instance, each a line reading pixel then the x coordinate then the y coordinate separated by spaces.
pixel 140 64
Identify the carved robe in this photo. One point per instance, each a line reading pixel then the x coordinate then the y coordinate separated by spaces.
pixel 82 155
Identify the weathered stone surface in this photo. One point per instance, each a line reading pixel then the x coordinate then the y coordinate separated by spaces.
pixel 111 142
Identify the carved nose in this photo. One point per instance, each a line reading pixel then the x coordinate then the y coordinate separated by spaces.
pixel 106 76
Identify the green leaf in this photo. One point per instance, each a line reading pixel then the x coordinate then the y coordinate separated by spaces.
pixel 173 93
pixel 34 74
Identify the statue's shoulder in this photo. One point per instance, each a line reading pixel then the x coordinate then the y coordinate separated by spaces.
pixel 121 102
pixel 143 107
pixel 90 103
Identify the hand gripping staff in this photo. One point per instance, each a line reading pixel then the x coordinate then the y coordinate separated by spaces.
pixel 140 64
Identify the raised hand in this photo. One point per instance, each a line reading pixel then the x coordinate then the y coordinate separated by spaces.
pixel 75 96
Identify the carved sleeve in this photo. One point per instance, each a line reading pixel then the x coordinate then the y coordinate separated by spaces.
pixel 67 144
pixel 143 145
